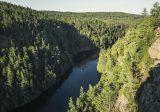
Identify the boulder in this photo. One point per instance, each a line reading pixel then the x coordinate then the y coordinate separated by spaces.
pixel 154 50
pixel 121 104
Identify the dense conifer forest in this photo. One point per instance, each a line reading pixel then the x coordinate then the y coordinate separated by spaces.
pixel 38 47
pixel 123 69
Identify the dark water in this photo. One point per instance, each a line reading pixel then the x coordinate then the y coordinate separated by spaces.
pixel 83 74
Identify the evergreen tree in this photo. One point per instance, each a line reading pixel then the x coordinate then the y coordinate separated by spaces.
pixel 145 12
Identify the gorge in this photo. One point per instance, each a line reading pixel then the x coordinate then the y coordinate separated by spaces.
pixel 38 48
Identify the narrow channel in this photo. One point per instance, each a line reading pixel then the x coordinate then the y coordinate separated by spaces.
pixel 82 74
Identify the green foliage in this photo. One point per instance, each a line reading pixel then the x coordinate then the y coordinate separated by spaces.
pixel 144 13
pixel 155 12
pixel 123 68
pixel 71 105
pixel 36 48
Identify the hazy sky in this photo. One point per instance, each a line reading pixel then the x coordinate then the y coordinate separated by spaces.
pixel 131 6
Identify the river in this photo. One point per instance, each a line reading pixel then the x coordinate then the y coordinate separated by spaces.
pixel 82 74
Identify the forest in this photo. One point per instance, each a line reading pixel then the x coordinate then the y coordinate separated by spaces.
pixel 123 68
pixel 37 48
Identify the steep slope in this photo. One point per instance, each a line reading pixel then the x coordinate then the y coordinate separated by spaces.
pixel 148 94
pixel 36 49
pixel 128 82
pixel 123 68
pixel 154 50
pixel 35 52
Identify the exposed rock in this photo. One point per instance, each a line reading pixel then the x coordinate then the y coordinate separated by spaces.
pixel 154 50
pixel 121 104
pixel 148 95
pixel 157 31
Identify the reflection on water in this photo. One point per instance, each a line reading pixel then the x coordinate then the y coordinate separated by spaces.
pixel 83 74
pixel 86 58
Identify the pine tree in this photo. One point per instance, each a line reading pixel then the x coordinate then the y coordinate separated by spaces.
pixel 155 12
pixel 145 12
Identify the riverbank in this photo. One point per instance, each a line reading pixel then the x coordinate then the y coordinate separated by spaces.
pixel 79 60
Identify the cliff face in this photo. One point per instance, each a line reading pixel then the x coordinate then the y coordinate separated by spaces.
pixel 148 94
pixel 148 97
pixel 154 51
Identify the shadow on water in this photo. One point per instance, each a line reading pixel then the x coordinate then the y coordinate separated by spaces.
pixel 69 43
pixel 148 95
pixel 85 56
pixel 43 98
pixel 56 98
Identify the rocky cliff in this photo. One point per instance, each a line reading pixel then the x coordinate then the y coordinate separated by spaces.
pixel 148 95
pixel 154 50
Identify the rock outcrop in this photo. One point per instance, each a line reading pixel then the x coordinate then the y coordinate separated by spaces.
pixel 154 50
pixel 121 104
pixel 148 95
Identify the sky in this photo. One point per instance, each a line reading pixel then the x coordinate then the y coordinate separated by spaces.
pixel 129 6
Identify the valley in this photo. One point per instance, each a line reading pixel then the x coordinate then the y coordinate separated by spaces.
pixel 39 48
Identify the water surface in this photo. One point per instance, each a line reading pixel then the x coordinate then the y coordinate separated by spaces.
pixel 83 74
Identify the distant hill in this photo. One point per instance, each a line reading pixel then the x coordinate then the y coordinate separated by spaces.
pixel 98 15
pixel 38 47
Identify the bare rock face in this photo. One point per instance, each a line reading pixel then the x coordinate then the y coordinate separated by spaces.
pixel 148 95
pixel 121 104
pixel 157 31
pixel 154 50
